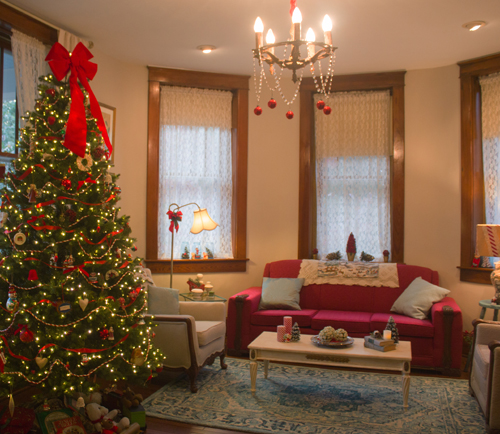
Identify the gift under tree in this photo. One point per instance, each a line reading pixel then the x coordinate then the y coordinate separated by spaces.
pixel 72 295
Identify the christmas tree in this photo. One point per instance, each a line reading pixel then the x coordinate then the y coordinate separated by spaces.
pixel 72 295
pixel 295 333
pixel 391 325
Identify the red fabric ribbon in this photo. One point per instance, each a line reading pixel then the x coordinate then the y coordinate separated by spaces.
pixel 175 218
pixel 78 267
pixel 89 180
pixel 61 62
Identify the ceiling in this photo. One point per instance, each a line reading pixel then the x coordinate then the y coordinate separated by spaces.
pixel 371 35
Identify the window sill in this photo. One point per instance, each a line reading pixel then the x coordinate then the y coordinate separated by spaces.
pixel 475 275
pixel 197 265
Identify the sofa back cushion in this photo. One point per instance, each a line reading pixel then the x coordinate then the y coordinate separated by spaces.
pixel 351 298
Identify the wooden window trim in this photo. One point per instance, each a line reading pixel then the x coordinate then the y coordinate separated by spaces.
pixel 394 81
pixel 472 182
pixel 238 85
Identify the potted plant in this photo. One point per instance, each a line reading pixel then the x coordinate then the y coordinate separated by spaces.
pixel 315 253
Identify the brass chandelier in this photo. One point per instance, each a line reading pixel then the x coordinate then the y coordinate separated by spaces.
pixel 313 52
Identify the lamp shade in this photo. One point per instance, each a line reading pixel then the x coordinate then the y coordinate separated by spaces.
pixel 202 222
pixel 488 240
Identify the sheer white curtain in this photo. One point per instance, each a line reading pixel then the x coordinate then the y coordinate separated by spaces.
pixel 195 166
pixel 29 64
pixel 353 151
pixel 69 41
pixel 490 115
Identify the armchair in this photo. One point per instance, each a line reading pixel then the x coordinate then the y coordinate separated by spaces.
pixel 190 334
pixel 484 380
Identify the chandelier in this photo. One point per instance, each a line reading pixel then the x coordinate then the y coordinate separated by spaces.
pixel 295 55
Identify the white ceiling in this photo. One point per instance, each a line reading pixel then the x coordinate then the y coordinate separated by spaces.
pixel 371 35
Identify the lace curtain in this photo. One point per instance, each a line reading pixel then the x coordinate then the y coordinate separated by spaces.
pixel 353 150
pixel 69 41
pixel 195 166
pixel 29 63
pixel 490 115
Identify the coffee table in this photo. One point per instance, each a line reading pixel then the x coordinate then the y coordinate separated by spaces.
pixel 266 348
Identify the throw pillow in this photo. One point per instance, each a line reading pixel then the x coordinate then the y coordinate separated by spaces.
pixel 282 293
pixel 163 301
pixel 416 300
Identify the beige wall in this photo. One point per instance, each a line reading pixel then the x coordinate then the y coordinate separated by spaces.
pixel 432 179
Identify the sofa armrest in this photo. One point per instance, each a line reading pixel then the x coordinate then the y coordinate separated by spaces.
pixel 485 331
pixel 241 306
pixel 203 311
pixel 446 316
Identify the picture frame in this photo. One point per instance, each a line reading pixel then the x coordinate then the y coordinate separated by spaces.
pixel 109 117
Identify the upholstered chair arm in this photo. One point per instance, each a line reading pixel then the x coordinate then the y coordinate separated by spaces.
pixel 203 311
pixel 485 331
pixel 176 336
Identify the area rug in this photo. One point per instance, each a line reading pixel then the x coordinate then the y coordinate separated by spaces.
pixel 308 400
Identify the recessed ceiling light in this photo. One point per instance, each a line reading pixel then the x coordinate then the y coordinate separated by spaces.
pixel 206 48
pixel 474 25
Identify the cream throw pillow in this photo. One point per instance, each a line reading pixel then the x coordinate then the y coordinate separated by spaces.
pixel 416 300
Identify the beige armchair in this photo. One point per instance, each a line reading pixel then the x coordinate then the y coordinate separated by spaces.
pixel 190 334
pixel 484 380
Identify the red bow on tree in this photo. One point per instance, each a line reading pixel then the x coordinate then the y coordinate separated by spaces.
pixel 175 218
pixel 61 61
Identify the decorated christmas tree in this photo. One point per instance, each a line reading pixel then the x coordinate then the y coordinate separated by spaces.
pixel 72 295
pixel 391 325
pixel 295 333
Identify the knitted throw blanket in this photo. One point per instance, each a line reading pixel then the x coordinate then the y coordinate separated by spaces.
pixel 349 273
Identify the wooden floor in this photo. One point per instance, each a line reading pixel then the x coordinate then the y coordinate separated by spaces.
pixel 161 426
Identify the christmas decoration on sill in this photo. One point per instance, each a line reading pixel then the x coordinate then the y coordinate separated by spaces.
pixel 290 59
pixel 351 247
pixel 386 255
pixel 315 254
pixel 365 257
pixel 334 256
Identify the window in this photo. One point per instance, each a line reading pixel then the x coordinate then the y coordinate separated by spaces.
pixel 8 110
pixel 473 188
pixel 233 150
pixel 309 202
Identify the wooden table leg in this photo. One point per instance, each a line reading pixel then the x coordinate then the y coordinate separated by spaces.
pixel 406 384
pixel 253 376
pixel 266 368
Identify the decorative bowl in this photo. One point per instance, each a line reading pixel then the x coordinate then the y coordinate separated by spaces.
pixel 332 344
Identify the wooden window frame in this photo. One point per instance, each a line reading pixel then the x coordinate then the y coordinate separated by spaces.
pixel 239 86
pixel 393 81
pixel 472 182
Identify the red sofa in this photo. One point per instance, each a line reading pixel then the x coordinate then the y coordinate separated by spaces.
pixel 436 342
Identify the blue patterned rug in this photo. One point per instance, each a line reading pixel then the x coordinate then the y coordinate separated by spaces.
pixel 306 400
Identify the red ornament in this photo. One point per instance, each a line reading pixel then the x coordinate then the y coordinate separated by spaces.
pixel 70 215
pixel 98 153
pixel 66 183
pixel 104 334
pixel 320 104
pixel 26 335
pixel 159 369
pixel 327 110
pixel 289 115
pixel 32 275
pixel 51 120
pixel 257 110
pixel 50 92
pixel 272 103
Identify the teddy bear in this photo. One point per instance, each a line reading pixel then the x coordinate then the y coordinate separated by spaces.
pixel 131 399
pixel 103 420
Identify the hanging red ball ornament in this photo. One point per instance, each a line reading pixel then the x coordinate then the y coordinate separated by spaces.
pixel 32 275
pixel 98 153
pixel 70 215
pixel 257 110
pixel 51 120
pixel 104 333
pixel 327 110
pixel 320 104
pixel 289 114
pixel 26 335
pixel 66 183
pixel 272 103
pixel 50 92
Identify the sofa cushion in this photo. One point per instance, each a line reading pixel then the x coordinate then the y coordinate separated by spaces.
pixel 406 325
pixel 209 331
pixel 280 293
pixel 275 317
pixel 352 322
pixel 416 300
pixel 163 301
pixel 482 360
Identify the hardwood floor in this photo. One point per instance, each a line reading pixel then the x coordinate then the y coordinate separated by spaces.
pixel 161 426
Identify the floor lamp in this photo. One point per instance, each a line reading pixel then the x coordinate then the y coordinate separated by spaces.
pixel 201 222
pixel 488 244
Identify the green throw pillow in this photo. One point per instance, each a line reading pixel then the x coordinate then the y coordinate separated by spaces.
pixel 163 301
pixel 282 293
pixel 416 300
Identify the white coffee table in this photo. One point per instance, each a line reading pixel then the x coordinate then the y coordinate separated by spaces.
pixel 266 348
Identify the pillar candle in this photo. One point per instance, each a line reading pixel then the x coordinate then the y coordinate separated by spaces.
pixel 287 321
pixel 387 334
pixel 281 333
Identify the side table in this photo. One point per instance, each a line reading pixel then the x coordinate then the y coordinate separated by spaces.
pixel 485 304
pixel 189 296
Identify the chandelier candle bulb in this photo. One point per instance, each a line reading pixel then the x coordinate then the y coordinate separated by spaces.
pixel 296 20
pixel 310 37
pixel 327 28
pixel 259 29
